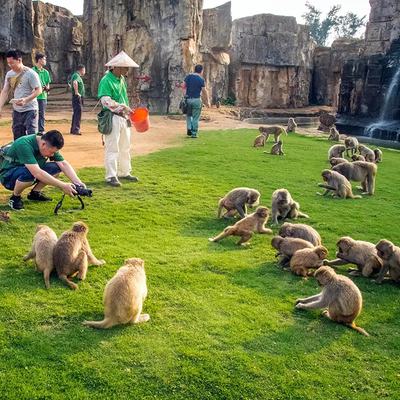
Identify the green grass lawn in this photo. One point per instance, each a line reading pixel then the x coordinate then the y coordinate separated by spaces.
pixel 223 323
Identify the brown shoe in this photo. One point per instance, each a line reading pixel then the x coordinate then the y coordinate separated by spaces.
pixel 114 182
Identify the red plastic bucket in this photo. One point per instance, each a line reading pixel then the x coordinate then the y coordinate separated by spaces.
pixel 140 119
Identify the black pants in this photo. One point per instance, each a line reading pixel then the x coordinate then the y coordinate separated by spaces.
pixel 77 103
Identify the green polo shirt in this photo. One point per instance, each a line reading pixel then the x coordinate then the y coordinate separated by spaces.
pixel 81 86
pixel 25 150
pixel 44 77
pixel 111 86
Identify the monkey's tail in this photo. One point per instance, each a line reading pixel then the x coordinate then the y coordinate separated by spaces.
pixel 106 323
pixel 267 152
pixel 303 215
pixel 358 329
pixel 72 285
pixel 356 197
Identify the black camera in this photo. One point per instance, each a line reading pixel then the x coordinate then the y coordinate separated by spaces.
pixel 82 191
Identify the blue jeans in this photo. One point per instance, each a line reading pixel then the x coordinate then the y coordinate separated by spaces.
pixel 193 115
pixel 22 174
pixel 42 109
pixel 24 123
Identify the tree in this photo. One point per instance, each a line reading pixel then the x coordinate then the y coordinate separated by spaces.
pixel 344 26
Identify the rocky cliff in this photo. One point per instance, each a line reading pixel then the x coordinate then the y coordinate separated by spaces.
pixel 58 34
pixel 161 36
pixel 271 62
pixel 327 70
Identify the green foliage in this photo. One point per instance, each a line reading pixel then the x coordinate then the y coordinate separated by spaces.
pixel 229 101
pixel 223 323
pixel 320 29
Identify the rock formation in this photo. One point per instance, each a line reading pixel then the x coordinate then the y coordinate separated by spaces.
pixel 58 34
pixel 328 64
pixel 216 42
pixel 161 36
pixel 271 62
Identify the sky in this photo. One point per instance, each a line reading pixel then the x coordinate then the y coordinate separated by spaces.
pixel 246 8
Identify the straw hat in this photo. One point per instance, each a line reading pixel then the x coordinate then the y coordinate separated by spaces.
pixel 122 60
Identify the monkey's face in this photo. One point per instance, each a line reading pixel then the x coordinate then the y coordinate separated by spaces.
pixel 326 174
pixel 323 275
pixel 321 252
pixel 384 249
pixel 280 142
pixel 254 199
pixel 344 245
pixel 276 242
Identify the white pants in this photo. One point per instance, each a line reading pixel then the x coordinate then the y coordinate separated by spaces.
pixel 117 158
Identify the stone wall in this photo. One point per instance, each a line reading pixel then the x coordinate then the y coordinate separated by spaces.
pixel 383 26
pixel 328 64
pixel 161 36
pixel 216 41
pixel 58 34
pixel 271 62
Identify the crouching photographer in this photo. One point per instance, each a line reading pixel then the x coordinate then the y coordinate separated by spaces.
pixel 35 160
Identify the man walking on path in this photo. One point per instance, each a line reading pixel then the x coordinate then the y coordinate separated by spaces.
pixel 26 86
pixel 78 93
pixel 195 86
pixel 113 96
pixel 45 81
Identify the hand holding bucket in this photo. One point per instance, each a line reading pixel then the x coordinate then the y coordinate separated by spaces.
pixel 140 119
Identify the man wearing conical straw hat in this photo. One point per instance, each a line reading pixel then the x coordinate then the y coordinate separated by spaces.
pixel 113 95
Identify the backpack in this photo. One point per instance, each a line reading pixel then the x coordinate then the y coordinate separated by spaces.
pixel 3 153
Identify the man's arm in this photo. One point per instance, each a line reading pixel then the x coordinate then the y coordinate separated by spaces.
pixel 43 176
pixel 75 85
pixel 35 93
pixel 69 172
pixel 3 97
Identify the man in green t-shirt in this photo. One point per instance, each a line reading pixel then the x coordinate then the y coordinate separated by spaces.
pixel 45 81
pixel 78 93
pixel 113 95
pixel 26 164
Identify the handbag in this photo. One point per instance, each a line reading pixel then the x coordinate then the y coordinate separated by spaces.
pixel 183 106
pixel 105 121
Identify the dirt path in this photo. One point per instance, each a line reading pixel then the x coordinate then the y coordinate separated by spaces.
pixel 87 150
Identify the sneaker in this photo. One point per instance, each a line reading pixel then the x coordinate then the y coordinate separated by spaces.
pixel 189 132
pixel 129 178
pixel 16 203
pixel 76 133
pixel 37 196
pixel 114 182
pixel 194 136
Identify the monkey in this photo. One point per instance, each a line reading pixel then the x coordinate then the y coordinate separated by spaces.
pixel 300 231
pixel 259 141
pixel 390 255
pixel 72 252
pixel 44 241
pixel 288 246
pixel 275 130
pixel 333 134
pixel 368 154
pixel 123 296
pixel 5 216
pixel 338 183
pixel 304 260
pixel 351 143
pixel 283 204
pixel 245 227
pixel 339 294
pixel 337 160
pixel 358 252
pixel 276 149
pixel 378 155
pixel 218 104
pixel 336 150
pixel 235 202
pixel 359 171
pixel 356 157
pixel 291 126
